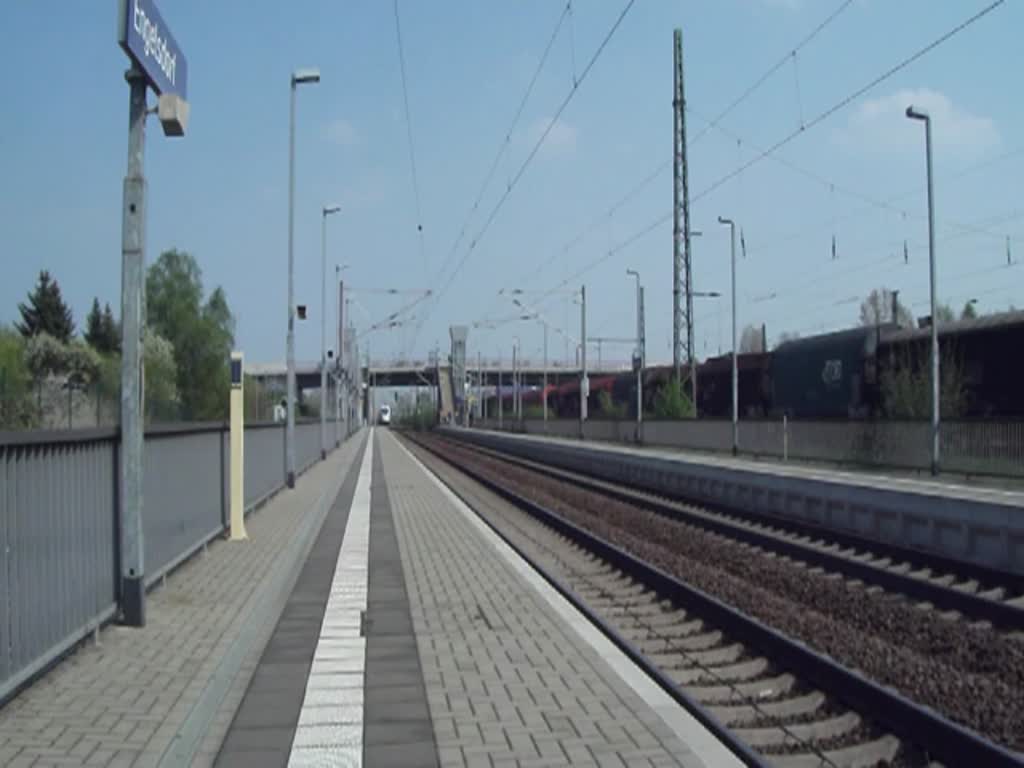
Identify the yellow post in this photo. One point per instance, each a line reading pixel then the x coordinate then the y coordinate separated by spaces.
pixel 237 450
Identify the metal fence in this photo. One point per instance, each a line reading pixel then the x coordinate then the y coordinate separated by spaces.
pixel 59 533
pixel 57 509
pixel 966 447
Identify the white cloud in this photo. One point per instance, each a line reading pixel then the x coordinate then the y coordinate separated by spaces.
pixel 881 124
pixel 342 132
pixel 561 138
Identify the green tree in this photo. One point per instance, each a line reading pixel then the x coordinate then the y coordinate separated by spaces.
pixel 161 385
pixel 420 416
pixel 608 408
pixel 46 312
pixel 45 356
pixel 55 366
pixel 16 411
pixel 81 363
pixel 672 402
pixel 201 333
pixel 107 390
pixel 944 313
pixel 161 378
pixel 257 402
pixel 968 312
pixel 94 326
pixel 906 385
pixel 877 309
pixel 101 329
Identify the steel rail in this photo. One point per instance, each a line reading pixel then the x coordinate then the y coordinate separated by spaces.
pixel 951 743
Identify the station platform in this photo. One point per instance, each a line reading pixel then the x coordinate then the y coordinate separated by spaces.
pixel 370 619
pixel 164 694
pixel 428 642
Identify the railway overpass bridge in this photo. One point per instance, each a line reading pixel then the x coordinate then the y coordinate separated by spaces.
pixel 392 373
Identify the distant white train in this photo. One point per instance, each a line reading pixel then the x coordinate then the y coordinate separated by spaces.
pixel 385 415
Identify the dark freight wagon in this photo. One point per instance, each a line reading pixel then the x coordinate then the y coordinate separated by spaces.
pixel 828 376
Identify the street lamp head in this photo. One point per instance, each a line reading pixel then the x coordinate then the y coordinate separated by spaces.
pixel 309 75
pixel 725 221
pixel 329 209
pixel 632 273
pixel 917 114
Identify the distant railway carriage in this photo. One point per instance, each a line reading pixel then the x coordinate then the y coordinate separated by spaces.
pixel 827 376
pixel 832 376
pixel 988 353
pixel 714 386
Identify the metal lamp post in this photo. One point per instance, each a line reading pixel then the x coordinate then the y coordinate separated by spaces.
pixel 339 357
pixel 515 379
pixel 918 114
pixel 692 340
pixel 534 315
pixel 735 375
pixel 584 381
pixel 640 358
pixel 544 384
pixel 327 211
pixel 299 77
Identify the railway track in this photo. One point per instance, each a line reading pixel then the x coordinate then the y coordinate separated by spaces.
pixel 964 591
pixel 774 701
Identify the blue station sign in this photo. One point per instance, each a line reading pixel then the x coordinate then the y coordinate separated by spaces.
pixel 145 37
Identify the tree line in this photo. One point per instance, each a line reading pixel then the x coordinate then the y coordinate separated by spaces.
pixel 187 341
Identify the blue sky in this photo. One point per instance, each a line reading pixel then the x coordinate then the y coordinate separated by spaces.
pixel 221 192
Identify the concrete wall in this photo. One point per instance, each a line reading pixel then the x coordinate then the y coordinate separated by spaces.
pixel 983 448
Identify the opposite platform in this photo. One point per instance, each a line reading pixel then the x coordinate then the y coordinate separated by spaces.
pixel 464 656
pixel 934 522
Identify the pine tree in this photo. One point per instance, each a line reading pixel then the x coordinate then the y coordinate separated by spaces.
pixel 94 326
pixel 46 312
pixel 111 331
pixel 102 332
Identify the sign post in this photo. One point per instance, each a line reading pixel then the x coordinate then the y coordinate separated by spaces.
pixel 237 449
pixel 157 62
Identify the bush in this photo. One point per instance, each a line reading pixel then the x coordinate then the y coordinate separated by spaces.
pixel 608 408
pixel 16 409
pixel 672 402
pixel 421 418
pixel 906 386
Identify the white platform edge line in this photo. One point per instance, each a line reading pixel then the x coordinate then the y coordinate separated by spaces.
pixel 343 742
pixel 692 734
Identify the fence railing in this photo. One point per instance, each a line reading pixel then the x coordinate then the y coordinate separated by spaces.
pixel 59 522
pixel 965 447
